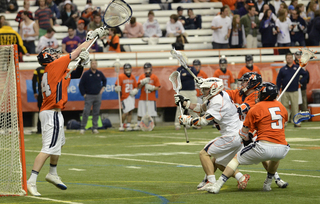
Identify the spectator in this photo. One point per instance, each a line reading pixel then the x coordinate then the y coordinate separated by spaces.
pixel 275 6
pixel 88 13
pixel 37 92
pixel 69 16
pixel 181 18
pixel 290 9
pixel 237 36
pixel 71 42
pixel 291 95
pixel 2 20
pixel 221 26
pixel 268 30
pixel 188 91
pixel 245 9
pixel 151 27
pixel 249 67
pixel 294 3
pixel 8 6
pixel 43 17
pixel 304 105
pixel 200 74
pixel 133 29
pixel 174 27
pixel 180 41
pixel 26 6
pixel 81 32
pixel 61 6
pixel 298 30
pixel 92 84
pixel 128 89
pixel 302 13
pixel 113 41
pixel 149 88
pixel 314 34
pixel 230 3
pixel 312 8
pixel 265 8
pixel 9 36
pixel 55 11
pixel 29 30
pixel 283 5
pixel 48 40
pixel 251 26
pixel 96 23
pixel 224 74
pixel 259 5
pixel 193 21
pixel 284 26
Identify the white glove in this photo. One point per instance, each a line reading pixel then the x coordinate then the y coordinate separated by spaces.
pixel 198 82
pixel 133 92
pixel 150 87
pixel 84 56
pixel 99 32
pixel 185 120
pixel 117 89
pixel 145 81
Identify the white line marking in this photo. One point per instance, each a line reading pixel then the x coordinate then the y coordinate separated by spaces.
pixel 133 167
pixel 299 161
pixel 74 169
pixel 55 200
pixel 193 143
pixel 301 139
pixel 182 136
pixel 145 154
pixel 281 173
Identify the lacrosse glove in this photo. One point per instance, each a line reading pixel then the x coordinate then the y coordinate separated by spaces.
pixel 133 92
pixel 117 89
pixel 180 99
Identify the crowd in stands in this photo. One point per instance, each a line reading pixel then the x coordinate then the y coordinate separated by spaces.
pixel 239 24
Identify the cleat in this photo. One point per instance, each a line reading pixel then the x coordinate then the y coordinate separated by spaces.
pixel 177 127
pixel 206 186
pixel 136 127
pixel 55 180
pixel 281 183
pixel 82 131
pixel 129 129
pixel 121 129
pixel 32 188
pixel 95 131
pixel 243 182
pixel 202 183
pixel 267 185
pixel 215 188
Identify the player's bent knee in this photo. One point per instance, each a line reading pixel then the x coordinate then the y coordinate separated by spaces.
pixel 233 164
pixel 203 153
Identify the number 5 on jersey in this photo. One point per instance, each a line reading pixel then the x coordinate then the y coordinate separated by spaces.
pixel 44 85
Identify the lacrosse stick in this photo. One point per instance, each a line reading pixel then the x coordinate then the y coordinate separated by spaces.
pixel 182 58
pixel 301 116
pixel 148 123
pixel 307 54
pixel 117 66
pixel 176 84
pixel 117 13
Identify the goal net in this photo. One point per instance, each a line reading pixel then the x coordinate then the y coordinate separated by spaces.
pixel 12 157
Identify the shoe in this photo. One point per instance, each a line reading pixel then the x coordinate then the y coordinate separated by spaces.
pixel 202 183
pixel 196 127
pixel 32 188
pixel 267 185
pixel 121 129
pixel 95 131
pixel 297 125
pixel 243 182
pixel 207 185
pixel 136 127
pixel 281 183
pixel 177 127
pixel 215 188
pixel 129 129
pixel 55 180
pixel 82 131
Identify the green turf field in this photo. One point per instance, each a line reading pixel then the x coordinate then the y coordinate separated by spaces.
pixel 159 167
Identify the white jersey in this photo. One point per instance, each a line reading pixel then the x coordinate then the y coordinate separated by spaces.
pixel 225 114
pixel 152 28
pixel 45 42
pixel 28 29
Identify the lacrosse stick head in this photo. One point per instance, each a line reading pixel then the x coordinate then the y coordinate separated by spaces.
pixel 301 116
pixel 180 56
pixel 117 13
pixel 306 55
pixel 176 81
pixel 147 123
pixel 116 66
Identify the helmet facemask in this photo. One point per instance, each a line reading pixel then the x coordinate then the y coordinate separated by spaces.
pixel 214 85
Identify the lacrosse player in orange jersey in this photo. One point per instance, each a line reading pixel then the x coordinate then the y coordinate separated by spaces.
pixel 200 74
pixel 128 89
pixel 55 96
pixel 268 116
pixel 249 67
pixel 148 83
pixel 224 74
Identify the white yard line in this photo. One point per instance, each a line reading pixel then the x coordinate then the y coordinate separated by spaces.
pixel 53 200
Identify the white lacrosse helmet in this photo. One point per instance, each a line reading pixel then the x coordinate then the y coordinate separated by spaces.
pixel 214 84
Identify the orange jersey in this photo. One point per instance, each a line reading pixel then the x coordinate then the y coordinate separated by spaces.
pixel 54 85
pixel 244 70
pixel 127 84
pixel 154 80
pixel 226 77
pixel 202 75
pixel 115 40
pixel 269 118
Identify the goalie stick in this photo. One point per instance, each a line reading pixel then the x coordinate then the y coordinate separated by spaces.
pixel 117 13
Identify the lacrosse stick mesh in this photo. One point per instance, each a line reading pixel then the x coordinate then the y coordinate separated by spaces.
pixel 307 54
pixel 116 66
pixel 146 123
pixel 176 81
pixel 117 13
pixel 299 117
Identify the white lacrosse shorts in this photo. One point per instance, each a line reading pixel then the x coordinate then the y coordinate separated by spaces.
pixel 53 137
pixel 224 148
pixel 128 104
pixel 260 151
pixel 142 108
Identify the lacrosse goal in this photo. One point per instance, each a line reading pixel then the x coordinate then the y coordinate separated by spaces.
pixel 12 154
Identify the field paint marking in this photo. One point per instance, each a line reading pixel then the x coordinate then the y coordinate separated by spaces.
pixel 299 161
pixel 172 143
pixel 54 200
pixel 74 169
pixel 298 139
pixel 145 154
pixel 133 167
pixel 287 174
pixel 152 136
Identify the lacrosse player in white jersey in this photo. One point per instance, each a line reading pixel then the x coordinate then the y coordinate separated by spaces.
pixel 219 108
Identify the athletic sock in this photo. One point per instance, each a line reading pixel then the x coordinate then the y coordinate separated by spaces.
pixel 205 177
pixel 224 178
pixel 139 121
pixel 33 176
pixel 211 178
pixel 238 176
pixel 276 176
pixel 270 176
pixel 53 169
